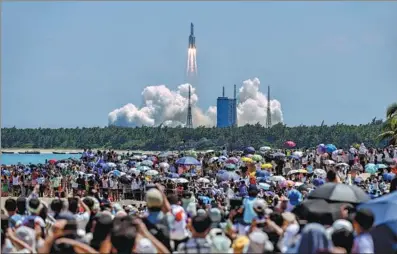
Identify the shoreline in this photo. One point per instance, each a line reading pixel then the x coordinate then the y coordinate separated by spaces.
pixel 50 151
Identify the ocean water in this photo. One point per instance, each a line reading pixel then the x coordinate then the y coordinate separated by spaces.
pixel 12 159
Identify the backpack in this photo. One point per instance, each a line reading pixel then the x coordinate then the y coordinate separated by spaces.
pixel 160 230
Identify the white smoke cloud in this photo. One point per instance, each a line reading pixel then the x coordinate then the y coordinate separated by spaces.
pixel 169 108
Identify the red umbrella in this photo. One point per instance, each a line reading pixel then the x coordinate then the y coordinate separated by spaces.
pixel 53 161
pixel 290 144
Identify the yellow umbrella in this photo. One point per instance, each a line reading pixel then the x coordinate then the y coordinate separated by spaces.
pixel 266 166
pixel 302 171
pixel 247 160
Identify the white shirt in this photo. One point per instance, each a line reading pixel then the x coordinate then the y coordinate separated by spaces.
pixel 82 220
pixel 363 243
pixel 178 229
pixel 15 180
pixel 105 183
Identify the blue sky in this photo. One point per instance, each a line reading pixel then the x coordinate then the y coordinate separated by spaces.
pixel 68 64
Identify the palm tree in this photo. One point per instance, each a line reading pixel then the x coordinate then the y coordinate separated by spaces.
pixel 390 126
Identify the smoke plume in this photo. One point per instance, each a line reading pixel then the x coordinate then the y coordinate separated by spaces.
pixel 161 106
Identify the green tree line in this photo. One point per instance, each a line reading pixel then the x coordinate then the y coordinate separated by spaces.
pixel 165 138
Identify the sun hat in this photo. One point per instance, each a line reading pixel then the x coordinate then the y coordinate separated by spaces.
pixel 154 198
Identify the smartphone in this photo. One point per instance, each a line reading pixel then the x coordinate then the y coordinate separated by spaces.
pixel 236 203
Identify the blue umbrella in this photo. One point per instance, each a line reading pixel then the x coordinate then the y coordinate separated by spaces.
pixel 148 163
pixel 371 168
pixel 173 175
pixel 330 148
pixel 188 161
pixel 262 173
pixel 278 155
pixel 249 150
pixel 381 166
pixel 384 208
pixel 388 176
pixel 296 157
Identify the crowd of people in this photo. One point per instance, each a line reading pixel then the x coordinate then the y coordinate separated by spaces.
pixel 320 200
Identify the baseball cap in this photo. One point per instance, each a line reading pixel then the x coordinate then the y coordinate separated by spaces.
pixel 259 242
pixel 154 198
pixel 260 205
pixel 340 224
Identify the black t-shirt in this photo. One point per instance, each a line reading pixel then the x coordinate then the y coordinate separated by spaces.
pixel 393 184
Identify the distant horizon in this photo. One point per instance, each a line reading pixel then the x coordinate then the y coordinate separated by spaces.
pixel 111 126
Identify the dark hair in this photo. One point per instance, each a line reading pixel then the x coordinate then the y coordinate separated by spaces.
pixel 21 205
pixel 73 205
pixel 343 238
pixel 56 206
pixel 173 199
pixel 123 234
pixel 103 226
pixel 34 203
pixel 364 218
pixel 10 205
pixel 277 218
pixel 331 175
pixel 201 223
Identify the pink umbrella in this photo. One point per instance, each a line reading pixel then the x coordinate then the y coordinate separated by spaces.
pixel 232 160
pixel 290 144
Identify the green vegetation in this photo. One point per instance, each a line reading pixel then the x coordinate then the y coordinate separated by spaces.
pixel 155 138
pixel 390 126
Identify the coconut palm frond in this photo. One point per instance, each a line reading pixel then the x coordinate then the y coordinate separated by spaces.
pixel 391 110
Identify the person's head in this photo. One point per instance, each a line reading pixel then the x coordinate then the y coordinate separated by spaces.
pixel 10 206
pixel 172 199
pixel 201 224
pixel 35 206
pixel 253 191
pixel 363 221
pixel 73 205
pixel 123 234
pixel 101 228
pixel 331 176
pixel 154 199
pixel 314 238
pixel 56 206
pixel 21 205
pixel 343 238
pixel 260 207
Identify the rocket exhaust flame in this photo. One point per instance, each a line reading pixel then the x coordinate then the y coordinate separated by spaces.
pixel 191 62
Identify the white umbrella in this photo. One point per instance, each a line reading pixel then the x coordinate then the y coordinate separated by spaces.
pixel 342 164
pixel 213 159
pixel 298 153
pixel 164 165
pixel 181 180
pixel 277 178
pixel 111 164
pixel 136 157
pixel 148 163
pixel 62 165
pixel 264 148
pixel 297 184
pixel 134 171
pixel 209 151
pixel 329 162
pixel 291 172
pixel 320 172
pixel 151 172
pixel 203 180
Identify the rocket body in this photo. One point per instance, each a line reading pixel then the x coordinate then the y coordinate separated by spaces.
pixel 192 39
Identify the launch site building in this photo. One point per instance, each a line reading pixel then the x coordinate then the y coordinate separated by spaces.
pixel 226 110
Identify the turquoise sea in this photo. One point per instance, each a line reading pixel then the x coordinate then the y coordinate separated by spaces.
pixel 12 159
